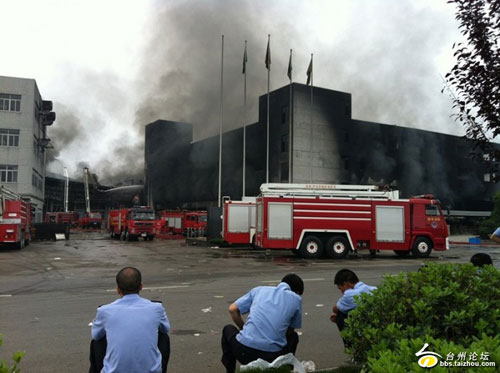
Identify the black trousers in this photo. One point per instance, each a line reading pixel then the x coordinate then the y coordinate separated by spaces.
pixel 233 350
pixel 340 321
pixel 341 317
pixel 98 352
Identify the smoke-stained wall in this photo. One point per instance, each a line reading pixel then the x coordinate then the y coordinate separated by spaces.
pixel 337 149
pixel 167 161
pixel 184 174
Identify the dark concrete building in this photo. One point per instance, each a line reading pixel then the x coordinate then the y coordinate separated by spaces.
pixel 326 145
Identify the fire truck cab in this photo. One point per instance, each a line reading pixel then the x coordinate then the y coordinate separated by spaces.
pixel 132 223
pixel 317 219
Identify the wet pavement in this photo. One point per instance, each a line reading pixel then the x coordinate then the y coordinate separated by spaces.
pixel 49 292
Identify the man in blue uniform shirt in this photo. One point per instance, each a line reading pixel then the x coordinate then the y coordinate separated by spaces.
pixel 130 334
pixel 350 286
pixel 269 331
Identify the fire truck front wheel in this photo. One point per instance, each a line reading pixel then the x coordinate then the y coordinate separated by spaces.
pixel 422 247
pixel 337 247
pixel 311 247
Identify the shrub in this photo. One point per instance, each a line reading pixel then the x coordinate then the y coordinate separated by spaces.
pixel 493 222
pixel 403 359
pixel 16 357
pixel 450 303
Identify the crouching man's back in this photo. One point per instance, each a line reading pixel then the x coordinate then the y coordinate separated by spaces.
pixel 131 327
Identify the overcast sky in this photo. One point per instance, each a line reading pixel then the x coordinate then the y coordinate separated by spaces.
pixel 113 66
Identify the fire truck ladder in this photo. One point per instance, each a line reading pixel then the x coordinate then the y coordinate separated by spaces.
pixel 329 190
pixel 86 184
pixel 6 194
pixel 66 189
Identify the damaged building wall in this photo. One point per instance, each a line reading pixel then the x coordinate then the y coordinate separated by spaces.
pixel 341 150
pixel 184 174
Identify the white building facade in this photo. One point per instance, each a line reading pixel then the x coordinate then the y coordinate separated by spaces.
pixel 23 139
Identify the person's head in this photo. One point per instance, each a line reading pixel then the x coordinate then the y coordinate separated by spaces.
pixel 480 259
pixel 345 277
pixel 129 281
pixel 295 282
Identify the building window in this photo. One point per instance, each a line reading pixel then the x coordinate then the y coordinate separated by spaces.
pixel 284 172
pixel 9 137
pixel 10 102
pixel 489 177
pixel 284 143
pixel 345 163
pixel 284 114
pixel 37 180
pixel 8 173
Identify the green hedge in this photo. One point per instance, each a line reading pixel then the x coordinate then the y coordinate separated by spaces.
pixel 443 303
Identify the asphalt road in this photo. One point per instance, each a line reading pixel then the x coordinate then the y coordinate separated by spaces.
pixel 49 292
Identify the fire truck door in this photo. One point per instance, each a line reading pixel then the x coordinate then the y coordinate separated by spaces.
pixel 238 219
pixel 280 221
pixel 390 223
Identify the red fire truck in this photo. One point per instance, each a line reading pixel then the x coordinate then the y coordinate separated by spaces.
pixel 335 219
pixel 61 217
pixel 91 220
pixel 132 223
pixel 195 223
pixel 171 222
pixel 238 221
pixel 15 219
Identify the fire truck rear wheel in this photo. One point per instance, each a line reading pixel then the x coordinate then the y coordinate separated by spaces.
pixel 422 247
pixel 311 247
pixel 20 244
pixel 337 247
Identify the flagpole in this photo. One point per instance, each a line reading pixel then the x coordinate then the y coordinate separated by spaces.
pixel 290 140
pixel 311 142
pixel 221 121
pixel 244 115
pixel 268 102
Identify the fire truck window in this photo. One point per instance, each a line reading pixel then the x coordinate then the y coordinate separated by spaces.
pixel 431 210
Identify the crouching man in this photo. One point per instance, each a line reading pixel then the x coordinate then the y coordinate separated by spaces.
pixel 350 286
pixel 274 312
pixel 130 334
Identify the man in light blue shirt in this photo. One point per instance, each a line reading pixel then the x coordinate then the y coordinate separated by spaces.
pixel 495 236
pixel 274 312
pixel 130 333
pixel 350 286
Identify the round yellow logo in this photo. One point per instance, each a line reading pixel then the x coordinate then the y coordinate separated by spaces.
pixel 428 361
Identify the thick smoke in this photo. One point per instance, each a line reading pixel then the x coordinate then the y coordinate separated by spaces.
pixel 183 63
pixel 66 131
pixel 384 54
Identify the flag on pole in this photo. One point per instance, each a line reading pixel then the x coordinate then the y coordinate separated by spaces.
pixel 245 59
pixel 289 73
pixel 268 53
pixel 309 72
